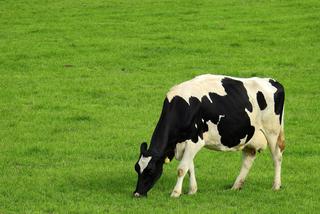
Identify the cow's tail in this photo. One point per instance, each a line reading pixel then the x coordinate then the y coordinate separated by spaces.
pixel 282 120
pixel 279 96
pixel 281 138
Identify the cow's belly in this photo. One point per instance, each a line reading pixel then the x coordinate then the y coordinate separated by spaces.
pixel 212 140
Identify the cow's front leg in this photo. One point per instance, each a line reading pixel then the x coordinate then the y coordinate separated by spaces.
pixel 248 157
pixel 182 170
pixel 193 182
pixel 190 151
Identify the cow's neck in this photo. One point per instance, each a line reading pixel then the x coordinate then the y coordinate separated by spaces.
pixel 160 142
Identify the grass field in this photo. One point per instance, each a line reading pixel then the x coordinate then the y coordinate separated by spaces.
pixel 82 85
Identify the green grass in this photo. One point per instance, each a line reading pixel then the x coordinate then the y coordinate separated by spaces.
pixel 82 84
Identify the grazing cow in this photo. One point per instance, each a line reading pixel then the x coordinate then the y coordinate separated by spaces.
pixel 220 113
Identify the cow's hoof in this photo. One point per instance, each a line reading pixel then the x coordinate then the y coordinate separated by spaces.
pixel 276 187
pixel 175 194
pixel 236 187
pixel 192 191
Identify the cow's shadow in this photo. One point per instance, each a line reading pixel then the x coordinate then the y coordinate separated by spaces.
pixel 103 183
pixel 123 184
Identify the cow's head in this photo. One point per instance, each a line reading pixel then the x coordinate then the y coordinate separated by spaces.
pixel 149 169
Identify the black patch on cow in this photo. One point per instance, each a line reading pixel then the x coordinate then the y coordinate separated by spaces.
pixel 235 125
pixel 180 121
pixel 261 101
pixel 278 97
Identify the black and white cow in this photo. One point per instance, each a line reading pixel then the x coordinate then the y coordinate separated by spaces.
pixel 220 113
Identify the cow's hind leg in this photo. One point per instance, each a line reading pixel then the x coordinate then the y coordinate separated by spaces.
pixel 277 146
pixel 186 164
pixel 248 157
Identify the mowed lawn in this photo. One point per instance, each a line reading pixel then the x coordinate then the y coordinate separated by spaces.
pixel 82 85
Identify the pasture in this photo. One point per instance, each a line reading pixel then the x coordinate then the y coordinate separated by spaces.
pixel 82 85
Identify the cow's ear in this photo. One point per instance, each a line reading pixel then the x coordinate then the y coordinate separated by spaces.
pixel 143 148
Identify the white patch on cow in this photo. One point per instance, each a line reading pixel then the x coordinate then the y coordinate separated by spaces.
pixel 198 87
pixel 143 162
pixel 202 120
pixel 212 139
pixel 195 125
pixel 212 136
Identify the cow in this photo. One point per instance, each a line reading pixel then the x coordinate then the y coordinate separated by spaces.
pixel 220 113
